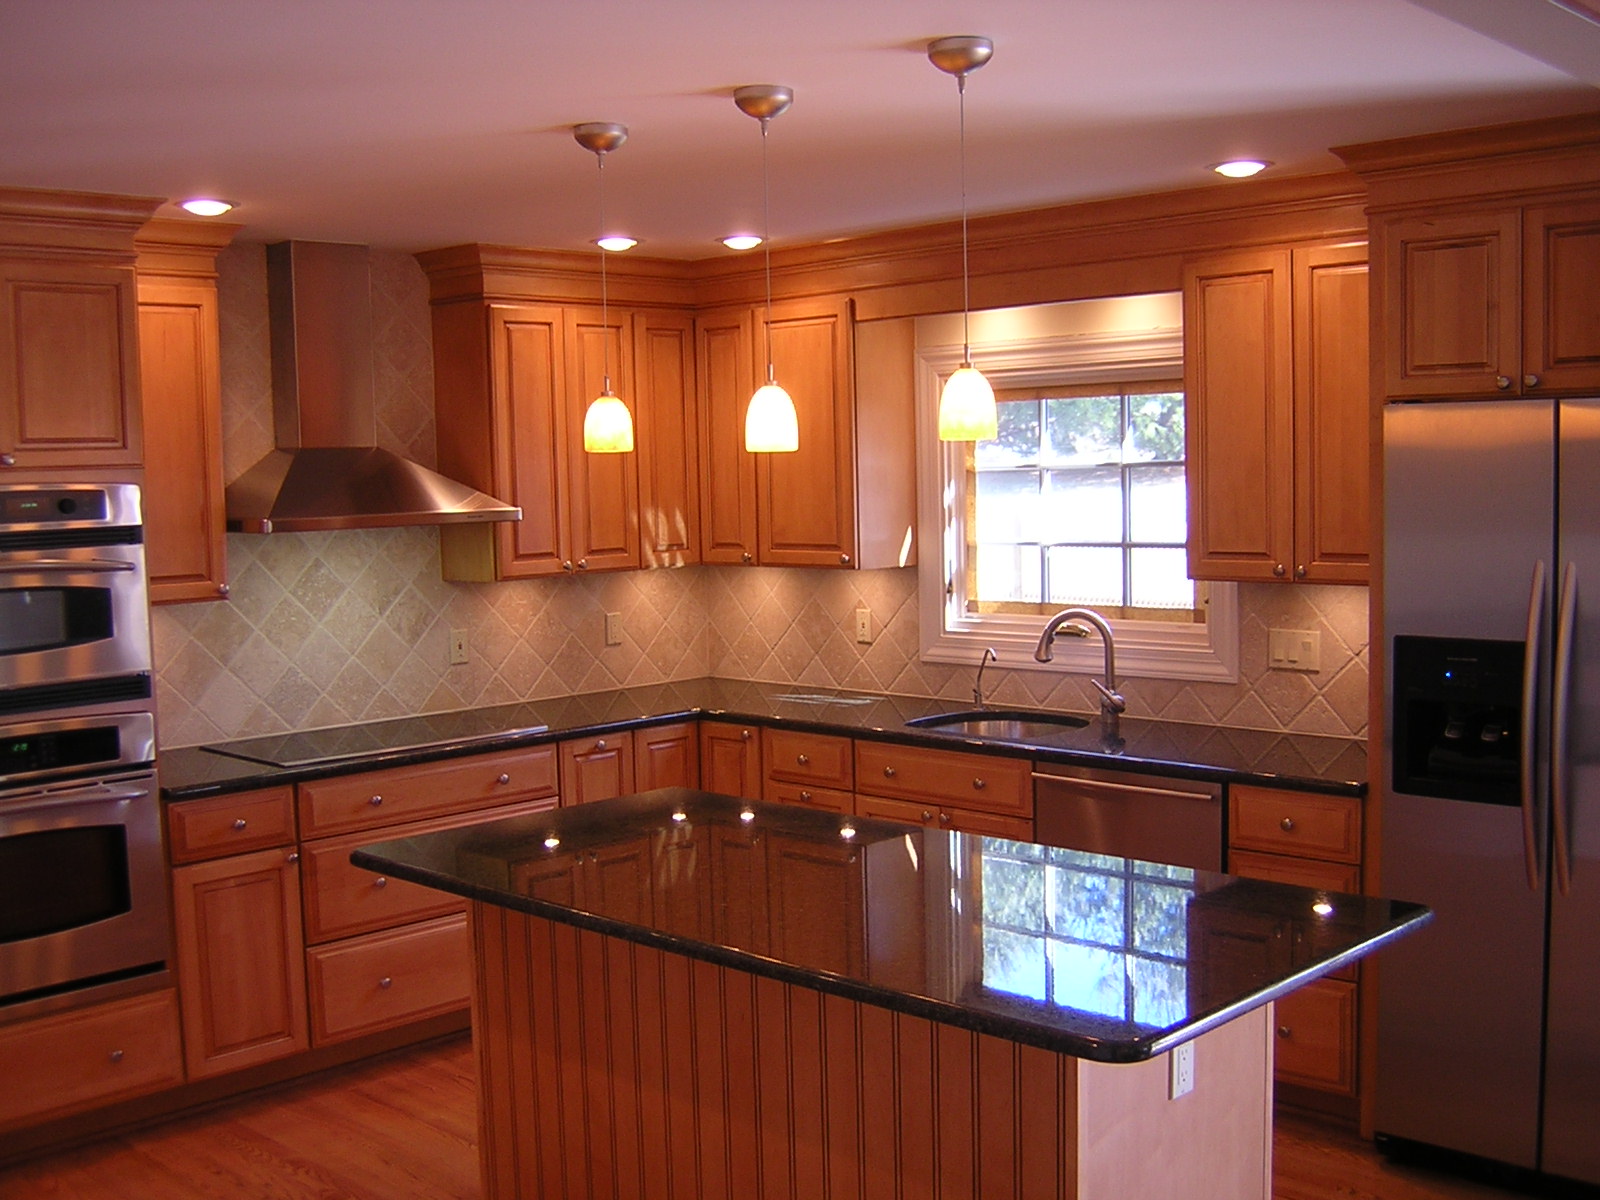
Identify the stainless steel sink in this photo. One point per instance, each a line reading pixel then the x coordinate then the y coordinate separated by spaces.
pixel 1001 725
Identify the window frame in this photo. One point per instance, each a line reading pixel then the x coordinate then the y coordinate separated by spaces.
pixel 947 632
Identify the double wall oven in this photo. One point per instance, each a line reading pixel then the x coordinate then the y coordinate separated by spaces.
pixel 83 909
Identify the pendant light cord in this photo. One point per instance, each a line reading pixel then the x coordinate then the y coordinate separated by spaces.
pixel 605 311
pixel 966 287
pixel 766 242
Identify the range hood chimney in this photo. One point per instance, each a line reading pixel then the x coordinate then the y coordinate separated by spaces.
pixel 327 471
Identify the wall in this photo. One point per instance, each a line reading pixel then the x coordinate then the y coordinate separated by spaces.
pixel 326 629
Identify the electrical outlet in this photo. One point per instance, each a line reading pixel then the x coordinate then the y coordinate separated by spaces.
pixel 613 629
pixel 1181 1082
pixel 864 625
pixel 1294 649
pixel 458 647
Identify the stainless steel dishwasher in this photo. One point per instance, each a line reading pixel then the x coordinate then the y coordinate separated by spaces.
pixel 1152 817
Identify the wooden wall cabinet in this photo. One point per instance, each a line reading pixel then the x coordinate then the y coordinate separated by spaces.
pixel 239 942
pixel 1492 300
pixel 845 498
pixel 181 395
pixel 1277 413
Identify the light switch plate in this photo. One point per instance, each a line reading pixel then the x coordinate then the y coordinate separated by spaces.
pixel 863 625
pixel 1294 649
pixel 458 647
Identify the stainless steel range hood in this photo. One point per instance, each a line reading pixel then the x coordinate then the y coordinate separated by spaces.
pixel 328 472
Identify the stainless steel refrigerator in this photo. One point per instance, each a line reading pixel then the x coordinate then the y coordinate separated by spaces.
pixel 1489 1020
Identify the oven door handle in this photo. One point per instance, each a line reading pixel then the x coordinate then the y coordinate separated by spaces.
pixel 97 566
pixel 94 793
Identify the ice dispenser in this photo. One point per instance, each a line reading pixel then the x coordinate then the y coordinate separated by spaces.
pixel 1457 718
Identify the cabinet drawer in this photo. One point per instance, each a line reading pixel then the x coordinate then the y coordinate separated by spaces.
pixel 937 817
pixel 1316 1044
pixel 381 980
pixel 831 799
pixel 78 1059
pixel 232 824
pixel 378 798
pixel 797 757
pixel 1304 824
pixel 940 777
pixel 342 899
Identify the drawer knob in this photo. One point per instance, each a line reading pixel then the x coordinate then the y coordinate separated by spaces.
pixel 1287 824
pixel 806 796
pixel 504 778
pixel 801 759
pixel 926 815
pixel 600 744
pixel 375 801
pixel 380 882
pixel 979 784
pixel 292 857
pixel 385 982
pixel 744 735
pixel 116 1056
pixel 239 823
pixel 944 818
pixel 888 772
pixel 1285 1032
pixel 8 460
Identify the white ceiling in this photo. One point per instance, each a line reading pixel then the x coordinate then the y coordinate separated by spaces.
pixel 422 123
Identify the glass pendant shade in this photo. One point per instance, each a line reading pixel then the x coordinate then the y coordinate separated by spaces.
pixel 770 423
pixel 966 407
pixel 607 425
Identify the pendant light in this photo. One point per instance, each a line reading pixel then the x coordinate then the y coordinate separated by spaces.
pixel 770 423
pixel 966 406
pixel 607 425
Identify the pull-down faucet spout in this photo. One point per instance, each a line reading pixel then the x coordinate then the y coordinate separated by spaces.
pixel 1066 621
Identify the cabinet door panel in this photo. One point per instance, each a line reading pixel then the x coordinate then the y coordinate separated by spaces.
pixel 596 768
pixel 805 501
pixel 1332 415
pixel 1561 320
pixel 530 386
pixel 1451 299
pixel 730 760
pixel 69 384
pixel 666 756
pixel 669 485
pixel 1238 379
pixel 727 472
pixel 603 488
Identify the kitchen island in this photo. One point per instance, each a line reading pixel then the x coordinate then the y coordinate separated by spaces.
pixel 685 994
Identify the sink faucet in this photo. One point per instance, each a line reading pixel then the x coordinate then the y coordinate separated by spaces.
pixel 1066 621
pixel 989 656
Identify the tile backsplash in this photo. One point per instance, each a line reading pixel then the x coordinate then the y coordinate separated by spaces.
pixel 331 628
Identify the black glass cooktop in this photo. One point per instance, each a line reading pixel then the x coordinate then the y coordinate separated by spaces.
pixel 383 737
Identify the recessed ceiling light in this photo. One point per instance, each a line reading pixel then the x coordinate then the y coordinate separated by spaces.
pixel 741 241
pixel 1241 168
pixel 617 242
pixel 205 206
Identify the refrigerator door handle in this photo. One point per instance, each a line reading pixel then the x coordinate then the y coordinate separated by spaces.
pixel 1561 767
pixel 1530 724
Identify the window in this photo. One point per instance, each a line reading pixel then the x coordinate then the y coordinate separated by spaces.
pixel 1080 499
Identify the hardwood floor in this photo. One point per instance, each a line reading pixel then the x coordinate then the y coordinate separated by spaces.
pixel 404 1128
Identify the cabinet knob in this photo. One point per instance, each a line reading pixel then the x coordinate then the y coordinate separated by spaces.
pixel 8 460
pixel 944 818
pixel 503 778
pixel 600 744
pixel 844 560
pixel 1503 382
pixel 115 1056
pixel 566 564
pixel 801 759
pixel 888 772
pixel 1287 824
pixel 375 801
pixel 380 882
pixel 292 857
pixel 747 557
pixel 223 590
pixel 386 982
pixel 926 815
pixel 1285 1032
pixel 583 564
pixel 1300 572
pixel 1278 570
pixel 806 796
pixel 744 735
pixel 979 785
pixel 1530 381
pixel 240 823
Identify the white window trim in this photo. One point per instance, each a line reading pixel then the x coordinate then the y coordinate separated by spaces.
pixel 1152 649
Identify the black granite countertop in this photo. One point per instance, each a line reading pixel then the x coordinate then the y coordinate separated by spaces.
pixel 1172 748
pixel 1104 958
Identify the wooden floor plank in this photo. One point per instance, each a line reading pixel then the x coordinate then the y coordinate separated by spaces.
pixel 405 1128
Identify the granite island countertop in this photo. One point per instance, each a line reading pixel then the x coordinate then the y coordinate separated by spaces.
pixel 1177 749
pixel 1130 958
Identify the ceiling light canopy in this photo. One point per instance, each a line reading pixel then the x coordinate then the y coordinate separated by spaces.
pixel 1241 168
pixel 967 410
pixel 206 206
pixel 607 425
pixel 771 425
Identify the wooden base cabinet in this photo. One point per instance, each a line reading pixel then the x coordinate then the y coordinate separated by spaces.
pixel 730 759
pixel 1277 415
pixel 945 789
